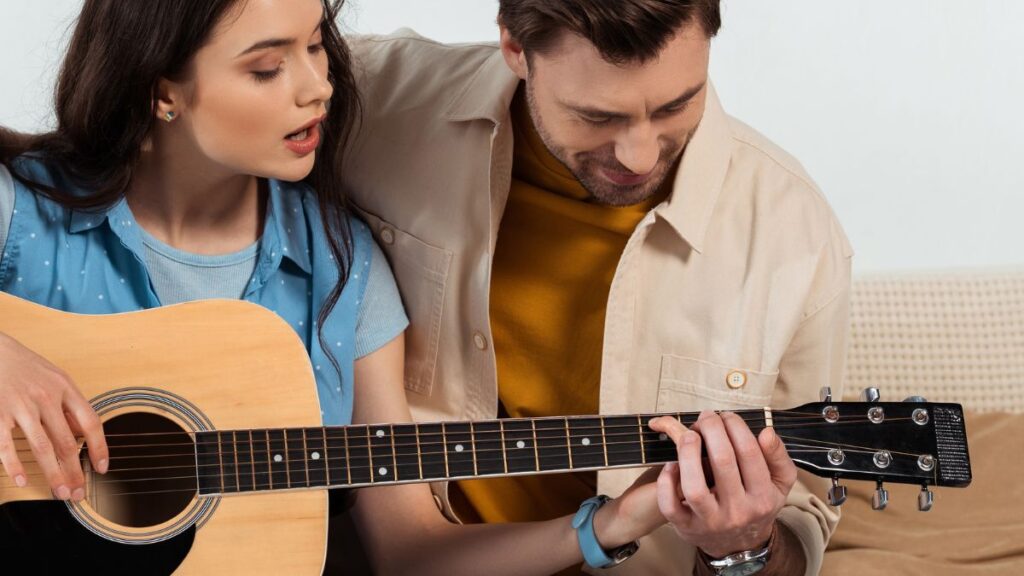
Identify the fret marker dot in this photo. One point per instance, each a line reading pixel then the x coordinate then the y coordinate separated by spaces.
pixel 586 441
pixel 520 444
pixel 315 455
pixel 278 458
pixel 383 472
pixel 380 433
pixel 662 437
pixel 458 448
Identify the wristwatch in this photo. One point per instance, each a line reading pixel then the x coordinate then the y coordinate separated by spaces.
pixel 741 563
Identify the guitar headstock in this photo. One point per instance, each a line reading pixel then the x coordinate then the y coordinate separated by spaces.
pixel 909 442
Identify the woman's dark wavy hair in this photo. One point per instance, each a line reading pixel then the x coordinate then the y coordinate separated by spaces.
pixel 104 102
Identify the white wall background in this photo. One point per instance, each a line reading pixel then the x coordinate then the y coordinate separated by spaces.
pixel 908 114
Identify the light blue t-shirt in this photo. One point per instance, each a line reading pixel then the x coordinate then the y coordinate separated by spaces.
pixel 287 271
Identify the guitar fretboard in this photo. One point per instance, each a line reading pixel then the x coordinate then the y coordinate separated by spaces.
pixel 231 461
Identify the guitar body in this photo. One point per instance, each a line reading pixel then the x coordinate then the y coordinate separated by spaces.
pixel 175 370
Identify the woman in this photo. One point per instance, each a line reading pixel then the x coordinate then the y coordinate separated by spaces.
pixel 195 157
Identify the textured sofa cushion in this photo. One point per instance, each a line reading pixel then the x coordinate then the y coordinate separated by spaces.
pixel 949 336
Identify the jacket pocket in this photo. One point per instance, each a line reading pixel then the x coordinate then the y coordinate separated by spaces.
pixel 421 272
pixel 692 385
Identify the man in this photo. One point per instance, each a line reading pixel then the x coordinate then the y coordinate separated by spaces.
pixel 577 227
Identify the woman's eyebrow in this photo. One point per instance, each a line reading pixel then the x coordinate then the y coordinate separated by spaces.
pixel 273 43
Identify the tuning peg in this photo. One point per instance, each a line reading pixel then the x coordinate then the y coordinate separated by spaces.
pixel 880 499
pixel 825 394
pixel 925 498
pixel 870 395
pixel 837 493
pixel 919 399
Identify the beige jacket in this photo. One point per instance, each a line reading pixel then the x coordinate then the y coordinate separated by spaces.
pixel 744 267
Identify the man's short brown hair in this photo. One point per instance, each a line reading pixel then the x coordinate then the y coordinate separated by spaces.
pixel 622 30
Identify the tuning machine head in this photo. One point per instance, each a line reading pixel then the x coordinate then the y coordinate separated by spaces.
pixel 825 394
pixel 870 395
pixel 918 399
pixel 880 499
pixel 925 499
pixel 837 493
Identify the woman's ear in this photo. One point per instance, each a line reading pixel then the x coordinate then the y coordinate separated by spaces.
pixel 168 100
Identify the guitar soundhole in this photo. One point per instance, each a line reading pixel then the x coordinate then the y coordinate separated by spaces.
pixel 152 473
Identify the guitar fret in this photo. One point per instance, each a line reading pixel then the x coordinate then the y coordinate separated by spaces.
pixel 472 443
pixel 624 445
pixel 305 455
pixel 234 447
pixel 457 439
pixel 536 453
pixel 278 462
pixel 360 462
pixel 604 441
pixel 489 448
pixel 252 460
pixel 640 427
pixel 228 463
pixel 336 456
pixel 419 453
pixel 394 454
pixel 316 457
pixel 657 446
pixel 568 442
pixel 243 461
pixel 295 458
pixel 587 449
pixel 405 440
pixel 220 457
pixel 521 455
pixel 552 444
pixel 208 468
pixel 504 452
pixel 348 459
pixel 270 471
pixel 433 456
pixel 444 450
pixel 381 454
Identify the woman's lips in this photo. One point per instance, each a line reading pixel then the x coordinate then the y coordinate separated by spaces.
pixel 307 144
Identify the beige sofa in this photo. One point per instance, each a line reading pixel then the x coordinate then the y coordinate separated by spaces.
pixel 950 337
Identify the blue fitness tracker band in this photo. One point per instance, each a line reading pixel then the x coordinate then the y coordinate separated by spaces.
pixel 593 554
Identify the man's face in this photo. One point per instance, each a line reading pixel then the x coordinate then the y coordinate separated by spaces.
pixel 619 128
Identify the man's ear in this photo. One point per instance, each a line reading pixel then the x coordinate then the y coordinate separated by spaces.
pixel 514 54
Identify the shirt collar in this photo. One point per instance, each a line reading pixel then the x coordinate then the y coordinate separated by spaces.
pixel 487 95
pixel 285 231
pixel 698 181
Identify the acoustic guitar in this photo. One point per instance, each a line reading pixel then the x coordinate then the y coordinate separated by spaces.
pixel 220 465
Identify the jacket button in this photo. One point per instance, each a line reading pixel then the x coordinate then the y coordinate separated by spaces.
pixel 387 236
pixel 736 379
pixel 480 341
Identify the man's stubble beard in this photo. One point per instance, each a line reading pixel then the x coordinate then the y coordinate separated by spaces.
pixel 600 189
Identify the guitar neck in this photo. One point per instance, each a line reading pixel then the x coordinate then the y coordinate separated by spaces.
pixel 232 461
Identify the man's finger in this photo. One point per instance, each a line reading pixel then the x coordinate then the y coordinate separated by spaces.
pixel 721 456
pixel 668 497
pixel 749 457
pixel 780 465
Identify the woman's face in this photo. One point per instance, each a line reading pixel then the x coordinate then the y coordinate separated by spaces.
pixel 253 97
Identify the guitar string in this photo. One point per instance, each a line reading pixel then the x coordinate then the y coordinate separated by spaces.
pixel 650 451
pixel 558 442
pixel 476 434
pixel 369 479
pixel 754 416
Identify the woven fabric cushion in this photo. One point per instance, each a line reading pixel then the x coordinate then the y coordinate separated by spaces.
pixel 950 337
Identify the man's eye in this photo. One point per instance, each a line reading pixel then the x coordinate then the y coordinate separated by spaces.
pixel 597 120
pixel 316 48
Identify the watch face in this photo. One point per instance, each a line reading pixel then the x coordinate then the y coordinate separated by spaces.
pixel 743 568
